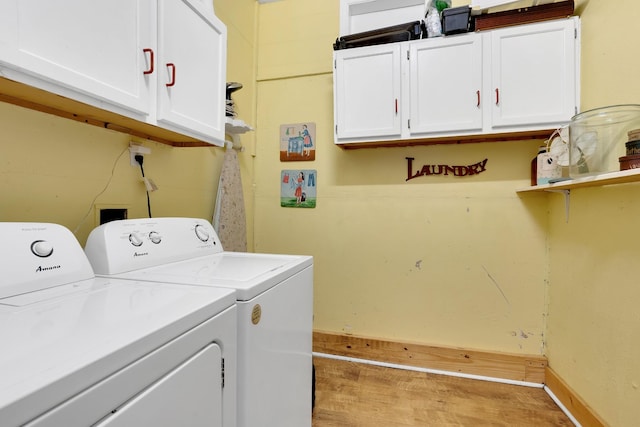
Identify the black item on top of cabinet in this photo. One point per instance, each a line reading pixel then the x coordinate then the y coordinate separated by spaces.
pixel 456 20
pixel 395 33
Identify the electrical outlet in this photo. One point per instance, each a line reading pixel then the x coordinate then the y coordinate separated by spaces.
pixel 135 149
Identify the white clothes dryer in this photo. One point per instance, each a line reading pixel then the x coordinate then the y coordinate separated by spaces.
pixel 78 350
pixel 274 299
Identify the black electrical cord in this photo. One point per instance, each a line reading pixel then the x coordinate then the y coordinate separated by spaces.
pixel 140 158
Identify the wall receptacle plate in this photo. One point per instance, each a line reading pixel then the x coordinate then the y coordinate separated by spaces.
pixel 135 149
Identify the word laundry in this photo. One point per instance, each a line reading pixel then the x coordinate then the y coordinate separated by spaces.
pixel 468 170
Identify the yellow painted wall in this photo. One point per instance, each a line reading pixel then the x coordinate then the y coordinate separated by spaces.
pixel 460 262
pixel 240 18
pixel 51 169
pixel 445 261
pixel 594 321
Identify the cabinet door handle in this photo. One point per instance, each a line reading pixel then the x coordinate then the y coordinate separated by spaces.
pixel 151 60
pixel 396 106
pixel 478 96
pixel 497 96
pixel 172 66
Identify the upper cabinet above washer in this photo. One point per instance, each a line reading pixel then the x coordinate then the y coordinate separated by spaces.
pixel 146 66
pixel 511 83
pixel 191 87
pixel 92 48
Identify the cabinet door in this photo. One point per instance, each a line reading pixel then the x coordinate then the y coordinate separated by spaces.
pixel 445 84
pixel 90 48
pixel 534 74
pixel 192 52
pixel 367 92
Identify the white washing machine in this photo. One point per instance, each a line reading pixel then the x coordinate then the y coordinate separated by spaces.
pixel 78 350
pixel 274 299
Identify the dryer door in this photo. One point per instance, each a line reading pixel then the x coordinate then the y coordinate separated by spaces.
pixel 190 395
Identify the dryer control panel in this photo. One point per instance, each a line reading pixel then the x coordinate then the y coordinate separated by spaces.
pixel 37 256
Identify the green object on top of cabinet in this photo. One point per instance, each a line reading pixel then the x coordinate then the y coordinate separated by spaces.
pixel 442 5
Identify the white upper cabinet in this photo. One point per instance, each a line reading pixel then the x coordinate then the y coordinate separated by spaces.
pixel 445 88
pixel 192 48
pixel 513 80
pixel 159 62
pixel 533 74
pixel 368 83
pixel 92 48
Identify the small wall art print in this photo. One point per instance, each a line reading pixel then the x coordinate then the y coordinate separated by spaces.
pixel 298 188
pixel 298 142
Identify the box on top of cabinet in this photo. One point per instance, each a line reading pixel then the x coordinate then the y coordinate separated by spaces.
pixel 357 16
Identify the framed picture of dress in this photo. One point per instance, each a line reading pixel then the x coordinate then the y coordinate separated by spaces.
pixel 298 142
pixel 298 188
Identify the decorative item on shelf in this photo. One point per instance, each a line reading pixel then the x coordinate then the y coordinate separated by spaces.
pixel 230 105
pixel 596 138
pixel 534 165
pixel 558 147
pixel 632 159
pixel 547 166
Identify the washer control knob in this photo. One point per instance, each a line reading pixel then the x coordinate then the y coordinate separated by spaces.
pixel 202 233
pixel 135 239
pixel 155 237
pixel 41 248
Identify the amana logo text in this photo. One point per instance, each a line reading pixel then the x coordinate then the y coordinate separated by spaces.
pixel 41 268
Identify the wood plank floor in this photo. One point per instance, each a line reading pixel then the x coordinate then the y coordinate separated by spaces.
pixel 352 394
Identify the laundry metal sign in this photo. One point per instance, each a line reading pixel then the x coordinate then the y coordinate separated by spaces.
pixel 428 170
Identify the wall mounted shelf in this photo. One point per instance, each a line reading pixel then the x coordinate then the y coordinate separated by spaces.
pixel 599 180
pixel 608 178
pixel 234 128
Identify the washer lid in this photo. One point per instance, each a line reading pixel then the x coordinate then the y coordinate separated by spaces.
pixel 249 274
pixel 59 341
